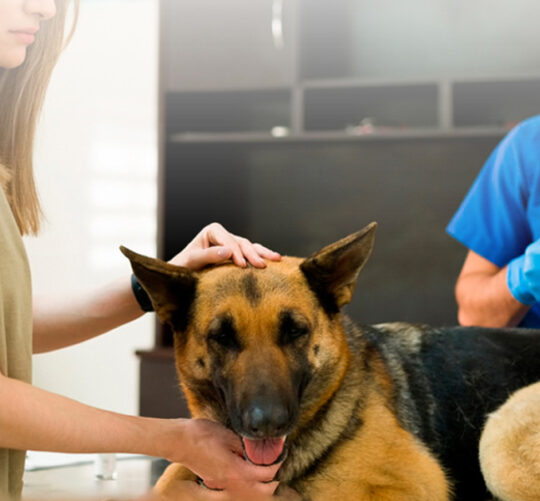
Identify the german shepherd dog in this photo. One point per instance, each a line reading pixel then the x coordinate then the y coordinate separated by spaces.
pixel 390 412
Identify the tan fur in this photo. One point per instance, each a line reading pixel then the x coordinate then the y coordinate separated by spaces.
pixel 510 445
pixel 382 462
pixel 171 476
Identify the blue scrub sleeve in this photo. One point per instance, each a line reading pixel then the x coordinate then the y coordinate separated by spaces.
pixel 492 219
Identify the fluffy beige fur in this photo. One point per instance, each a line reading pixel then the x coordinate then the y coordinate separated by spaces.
pixel 510 447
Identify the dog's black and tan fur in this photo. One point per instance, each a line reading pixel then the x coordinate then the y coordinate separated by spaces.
pixel 391 412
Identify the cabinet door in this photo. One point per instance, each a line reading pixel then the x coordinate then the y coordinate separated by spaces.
pixel 228 44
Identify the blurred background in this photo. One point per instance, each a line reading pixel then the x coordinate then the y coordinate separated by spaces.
pixel 293 123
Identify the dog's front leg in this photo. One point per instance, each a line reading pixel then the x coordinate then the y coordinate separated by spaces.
pixel 171 480
pixel 378 494
pixel 388 494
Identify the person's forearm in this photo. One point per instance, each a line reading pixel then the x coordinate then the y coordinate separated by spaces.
pixel 59 323
pixel 31 418
pixel 484 300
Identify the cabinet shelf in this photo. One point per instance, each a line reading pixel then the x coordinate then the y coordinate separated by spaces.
pixel 349 82
pixel 228 111
pixel 496 102
pixel 332 135
pixel 397 106
pixel 402 107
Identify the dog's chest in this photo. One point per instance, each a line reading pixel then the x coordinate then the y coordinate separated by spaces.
pixel 379 458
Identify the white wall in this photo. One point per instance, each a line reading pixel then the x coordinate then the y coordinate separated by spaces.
pixel 437 38
pixel 96 163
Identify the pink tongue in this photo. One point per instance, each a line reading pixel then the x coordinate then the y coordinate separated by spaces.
pixel 264 451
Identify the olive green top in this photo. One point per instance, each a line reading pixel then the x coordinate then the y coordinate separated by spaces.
pixel 15 332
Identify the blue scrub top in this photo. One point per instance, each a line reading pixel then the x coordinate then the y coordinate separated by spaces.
pixel 500 215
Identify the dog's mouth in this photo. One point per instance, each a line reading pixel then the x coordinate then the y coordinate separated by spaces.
pixel 264 451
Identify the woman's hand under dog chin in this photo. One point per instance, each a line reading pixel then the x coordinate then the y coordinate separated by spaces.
pixel 215 454
pixel 214 244
pixel 186 490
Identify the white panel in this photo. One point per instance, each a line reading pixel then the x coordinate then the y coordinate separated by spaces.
pixel 96 165
pixel 232 44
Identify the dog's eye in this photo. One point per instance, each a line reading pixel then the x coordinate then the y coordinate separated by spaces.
pixel 224 334
pixel 290 329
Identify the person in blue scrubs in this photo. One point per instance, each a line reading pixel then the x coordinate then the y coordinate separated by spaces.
pixel 499 222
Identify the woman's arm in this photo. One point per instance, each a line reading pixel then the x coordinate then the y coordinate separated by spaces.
pixel 31 418
pixel 483 296
pixel 60 322
pixel 64 322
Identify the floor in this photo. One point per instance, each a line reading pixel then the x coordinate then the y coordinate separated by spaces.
pixel 134 478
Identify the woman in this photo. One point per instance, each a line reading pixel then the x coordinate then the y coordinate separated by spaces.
pixel 31 38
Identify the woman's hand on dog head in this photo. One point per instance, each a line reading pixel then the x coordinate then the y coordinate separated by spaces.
pixel 214 244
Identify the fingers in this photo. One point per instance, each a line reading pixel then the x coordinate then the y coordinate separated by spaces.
pixel 199 258
pixel 256 473
pixel 214 244
pixel 210 434
pixel 256 253
pixel 234 444
pixel 250 252
pixel 190 490
pixel 267 488
pixel 267 253
pixel 216 456
pixel 287 494
pixel 252 492
pixel 215 234
pixel 240 473
pixel 241 490
pixel 241 248
pixel 236 470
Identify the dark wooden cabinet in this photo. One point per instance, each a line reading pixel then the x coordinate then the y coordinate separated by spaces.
pixel 296 122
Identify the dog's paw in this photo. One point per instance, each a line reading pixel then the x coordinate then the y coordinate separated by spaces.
pixel 173 474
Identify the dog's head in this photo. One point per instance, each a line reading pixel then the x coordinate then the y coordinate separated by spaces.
pixel 259 350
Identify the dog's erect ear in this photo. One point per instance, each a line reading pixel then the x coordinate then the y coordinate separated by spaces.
pixel 170 288
pixel 332 272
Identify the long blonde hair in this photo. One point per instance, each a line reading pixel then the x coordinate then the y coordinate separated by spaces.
pixel 22 92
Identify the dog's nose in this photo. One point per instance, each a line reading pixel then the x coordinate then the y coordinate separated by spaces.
pixel 266 419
